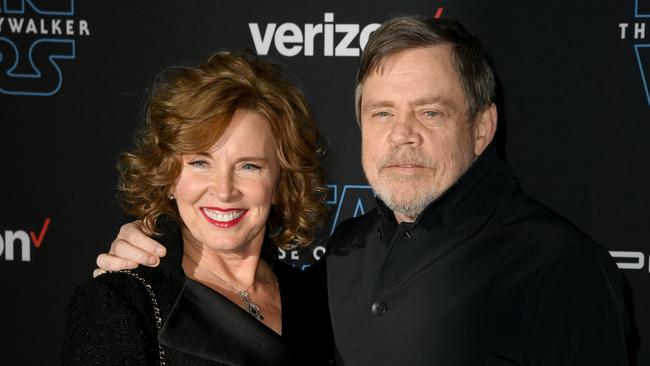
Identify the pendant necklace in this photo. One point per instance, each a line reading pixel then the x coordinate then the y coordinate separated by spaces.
pixel 251 307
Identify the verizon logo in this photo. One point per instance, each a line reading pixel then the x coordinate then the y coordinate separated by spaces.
pixel 23 240
pixel 327 38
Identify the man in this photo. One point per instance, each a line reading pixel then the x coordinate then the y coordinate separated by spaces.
pixel 456 266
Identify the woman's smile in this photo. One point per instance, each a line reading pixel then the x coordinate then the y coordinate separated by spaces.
pixel 223 217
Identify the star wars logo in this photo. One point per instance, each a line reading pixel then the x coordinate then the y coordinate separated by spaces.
pixel 636 31
pixel 348 200
pixel 10 240
pixel 36 37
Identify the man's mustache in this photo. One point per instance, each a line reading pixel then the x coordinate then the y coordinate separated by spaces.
pixel 406 157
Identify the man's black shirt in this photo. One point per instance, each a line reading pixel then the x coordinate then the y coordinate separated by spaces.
pixel 484 276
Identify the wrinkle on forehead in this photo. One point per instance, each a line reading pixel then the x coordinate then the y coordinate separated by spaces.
pixel 403 66
pixel 386 64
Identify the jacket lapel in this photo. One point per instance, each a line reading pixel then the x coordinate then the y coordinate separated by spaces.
pixel 206 324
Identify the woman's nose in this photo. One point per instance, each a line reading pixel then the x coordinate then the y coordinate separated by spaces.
pixel 224 188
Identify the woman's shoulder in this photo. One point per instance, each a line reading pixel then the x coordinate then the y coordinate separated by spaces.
pixel 109 318
pixel 116 285
pixel 115 294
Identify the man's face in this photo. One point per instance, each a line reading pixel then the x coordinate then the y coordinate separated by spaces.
pixel 416 137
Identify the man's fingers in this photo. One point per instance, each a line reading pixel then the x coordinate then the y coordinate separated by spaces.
pixel 132 233
pixel 130 248
pixel 128 251
pixel 107 262
pixel 98 272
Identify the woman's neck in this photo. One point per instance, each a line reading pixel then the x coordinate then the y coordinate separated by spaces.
pixel 230 270
pixel 240 276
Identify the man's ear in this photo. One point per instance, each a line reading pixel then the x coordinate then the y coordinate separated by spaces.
pixel 484 127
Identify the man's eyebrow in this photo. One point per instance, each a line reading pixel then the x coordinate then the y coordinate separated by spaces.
pixel 434 100
pixel 372 104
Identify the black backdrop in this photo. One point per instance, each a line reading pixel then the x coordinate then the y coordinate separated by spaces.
pixel 574 122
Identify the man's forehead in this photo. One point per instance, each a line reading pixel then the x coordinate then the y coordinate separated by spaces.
pixel 424 100
pixel 424 75
pixel 440 53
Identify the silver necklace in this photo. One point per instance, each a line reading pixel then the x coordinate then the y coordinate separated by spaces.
pixel 251 307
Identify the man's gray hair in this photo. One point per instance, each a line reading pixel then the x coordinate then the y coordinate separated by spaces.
pixel 470 61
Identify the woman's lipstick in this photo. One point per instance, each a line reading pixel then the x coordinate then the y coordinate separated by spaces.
pixel 223 217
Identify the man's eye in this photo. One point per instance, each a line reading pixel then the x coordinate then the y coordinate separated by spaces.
pixel 381 114
pixel 431 114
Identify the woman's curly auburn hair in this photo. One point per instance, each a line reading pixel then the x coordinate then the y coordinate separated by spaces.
pixel 190 108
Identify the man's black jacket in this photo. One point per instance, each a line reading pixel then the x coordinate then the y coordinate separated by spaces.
pixel 484 276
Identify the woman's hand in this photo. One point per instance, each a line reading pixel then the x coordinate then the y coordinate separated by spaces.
pixel 130 249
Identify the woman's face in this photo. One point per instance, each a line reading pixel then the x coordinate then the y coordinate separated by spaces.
pixel 224 195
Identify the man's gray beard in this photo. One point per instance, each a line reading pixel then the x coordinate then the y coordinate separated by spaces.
pixel 385 183
pixel 409 208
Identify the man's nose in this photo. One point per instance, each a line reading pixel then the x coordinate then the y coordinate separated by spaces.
pixel 405 131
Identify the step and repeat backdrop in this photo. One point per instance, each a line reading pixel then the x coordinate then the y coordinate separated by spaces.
pixel 574 123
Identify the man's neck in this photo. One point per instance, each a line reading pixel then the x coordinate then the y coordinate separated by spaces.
pixel 403 218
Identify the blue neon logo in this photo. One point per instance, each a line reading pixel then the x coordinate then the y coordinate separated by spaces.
pixel 643 10
pixel 35 70
pixel 353 200
pixel 642 51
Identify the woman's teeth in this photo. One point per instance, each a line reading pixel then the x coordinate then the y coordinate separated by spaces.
pixel 223 216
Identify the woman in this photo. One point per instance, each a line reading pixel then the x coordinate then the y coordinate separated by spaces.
pixel 224 172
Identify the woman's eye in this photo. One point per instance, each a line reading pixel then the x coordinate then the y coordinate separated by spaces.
pixel 199 163
pixel 249 166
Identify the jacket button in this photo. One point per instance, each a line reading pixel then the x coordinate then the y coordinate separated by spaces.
pixel 378 308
